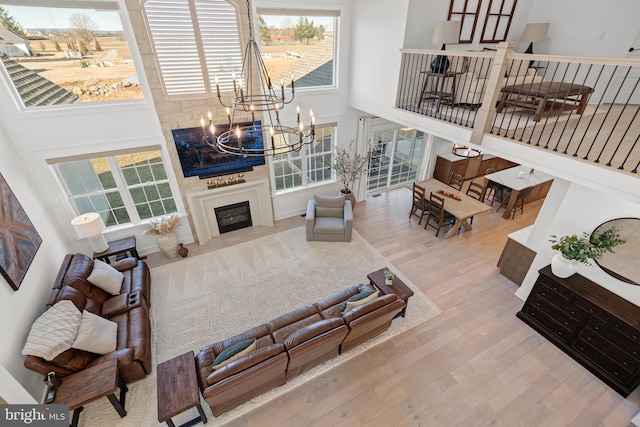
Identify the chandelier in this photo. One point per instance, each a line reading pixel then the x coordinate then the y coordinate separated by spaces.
pixel 265 97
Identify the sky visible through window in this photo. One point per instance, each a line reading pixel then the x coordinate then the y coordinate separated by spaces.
pixel 75 55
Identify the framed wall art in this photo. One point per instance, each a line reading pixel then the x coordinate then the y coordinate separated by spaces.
pixel 19 240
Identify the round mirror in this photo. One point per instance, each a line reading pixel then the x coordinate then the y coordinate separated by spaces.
pixel 623 264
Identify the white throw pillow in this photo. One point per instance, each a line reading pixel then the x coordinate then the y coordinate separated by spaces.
pixel 106 277
pixel 96 334
pixel 54 331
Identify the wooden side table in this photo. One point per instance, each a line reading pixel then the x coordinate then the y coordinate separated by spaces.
pixel 437 93
pixel 398 288
pixel 90 384
pixel 178 389
pixel 124 247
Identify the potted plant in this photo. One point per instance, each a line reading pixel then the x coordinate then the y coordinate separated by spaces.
pixel 165 227
pixel 573 250
pixel 348 168
pixel 388 277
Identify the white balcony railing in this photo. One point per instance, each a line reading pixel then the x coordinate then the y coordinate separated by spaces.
pixel 583 107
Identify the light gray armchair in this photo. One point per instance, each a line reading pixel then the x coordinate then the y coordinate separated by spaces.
pixel 329 219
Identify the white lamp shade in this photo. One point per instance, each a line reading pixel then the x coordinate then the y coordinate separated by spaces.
pixel 90 226
pixel 446 32
pixel 535 33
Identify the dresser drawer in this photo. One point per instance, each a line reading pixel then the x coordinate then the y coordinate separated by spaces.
pixel 547 285
pixel 593 310
pixel 541 318
pixel 559 314
pixel 628 331
pixel 604 362
pixel 619 355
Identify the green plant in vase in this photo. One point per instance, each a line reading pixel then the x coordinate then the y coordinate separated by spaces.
pixel 575 250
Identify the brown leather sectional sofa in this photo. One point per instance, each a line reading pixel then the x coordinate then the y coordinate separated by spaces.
pixel 290 345
pixel 129 310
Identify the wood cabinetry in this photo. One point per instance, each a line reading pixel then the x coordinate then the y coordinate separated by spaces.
pixel 597 328
pixel 447 164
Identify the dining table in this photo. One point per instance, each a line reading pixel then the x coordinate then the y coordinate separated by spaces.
pixel 517 179
pixel 463 209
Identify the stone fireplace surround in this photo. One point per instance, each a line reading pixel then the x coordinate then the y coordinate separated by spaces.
pixel 203 202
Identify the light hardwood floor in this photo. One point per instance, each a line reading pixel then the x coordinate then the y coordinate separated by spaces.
pixel 475 364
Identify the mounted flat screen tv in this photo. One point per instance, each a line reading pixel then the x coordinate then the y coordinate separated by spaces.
pixel 198 158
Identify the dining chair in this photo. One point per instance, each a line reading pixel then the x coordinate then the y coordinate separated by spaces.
pixel 519 204
pixel 438 214
pixel 456 181
pixel 420 203
pixel 475 190
pixel 494 191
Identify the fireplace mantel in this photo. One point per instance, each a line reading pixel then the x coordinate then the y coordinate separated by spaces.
pixel 203 202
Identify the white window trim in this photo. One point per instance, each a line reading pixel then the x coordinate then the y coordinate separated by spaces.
pixel 65 198
pixel 121 9
pixel 303 160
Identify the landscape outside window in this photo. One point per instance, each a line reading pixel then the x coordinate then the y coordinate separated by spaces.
pixel 299 46
pixel 56 55
pixel 308 166
pixel 122 188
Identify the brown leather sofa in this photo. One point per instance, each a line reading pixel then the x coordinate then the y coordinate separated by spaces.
pixel 364 321
pixel 290 345
pixel 129 310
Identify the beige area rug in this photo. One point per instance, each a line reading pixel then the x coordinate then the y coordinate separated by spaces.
pixel 204 299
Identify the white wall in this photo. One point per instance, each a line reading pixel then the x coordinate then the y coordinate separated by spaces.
pixel 19 308
pixel 578 209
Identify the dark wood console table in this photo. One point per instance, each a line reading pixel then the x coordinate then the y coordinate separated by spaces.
pixel 594 326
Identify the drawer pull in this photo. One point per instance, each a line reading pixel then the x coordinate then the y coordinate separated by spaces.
pixel 555 288
pixel 559 332
pixel 544 294
pixel 538 304
pixel 635 337
pixel 589 339
pixel 566 323
pixel 591 310
pixel 625 363
pixel 581 348
pixel 635 353
pixel 573 313
pixel 616 373
pixel 597 328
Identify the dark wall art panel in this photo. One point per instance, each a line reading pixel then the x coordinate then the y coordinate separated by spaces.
pixel 19 240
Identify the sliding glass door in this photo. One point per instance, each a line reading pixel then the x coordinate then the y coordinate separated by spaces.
pixel 397 153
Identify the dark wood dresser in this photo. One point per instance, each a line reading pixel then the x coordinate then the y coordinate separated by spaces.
pixel 597 328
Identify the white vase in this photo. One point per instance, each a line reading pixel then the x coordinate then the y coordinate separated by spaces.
pixel 562 267
pixel 168 244
pixel 388 282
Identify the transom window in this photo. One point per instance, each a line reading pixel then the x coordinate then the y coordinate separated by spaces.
pixel 66 55
pixel 195 41
pixel 308 166
pixel 299 43
pixel 123 188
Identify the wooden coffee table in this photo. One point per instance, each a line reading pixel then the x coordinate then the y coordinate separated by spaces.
pixel 178 389
pixel 545 98
pixel 91 384
pixel 398 288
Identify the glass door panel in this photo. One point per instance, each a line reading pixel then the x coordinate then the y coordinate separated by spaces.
pixel 397 154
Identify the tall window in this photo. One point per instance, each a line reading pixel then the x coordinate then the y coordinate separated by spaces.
pixel 67 55
pixel 396 157
pixel 302 46
pixel 308 166
pixel 123 188
pixel 195 41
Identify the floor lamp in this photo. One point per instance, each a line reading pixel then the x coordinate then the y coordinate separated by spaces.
pixel 446 32
pixel 534 33
pixel 90 226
